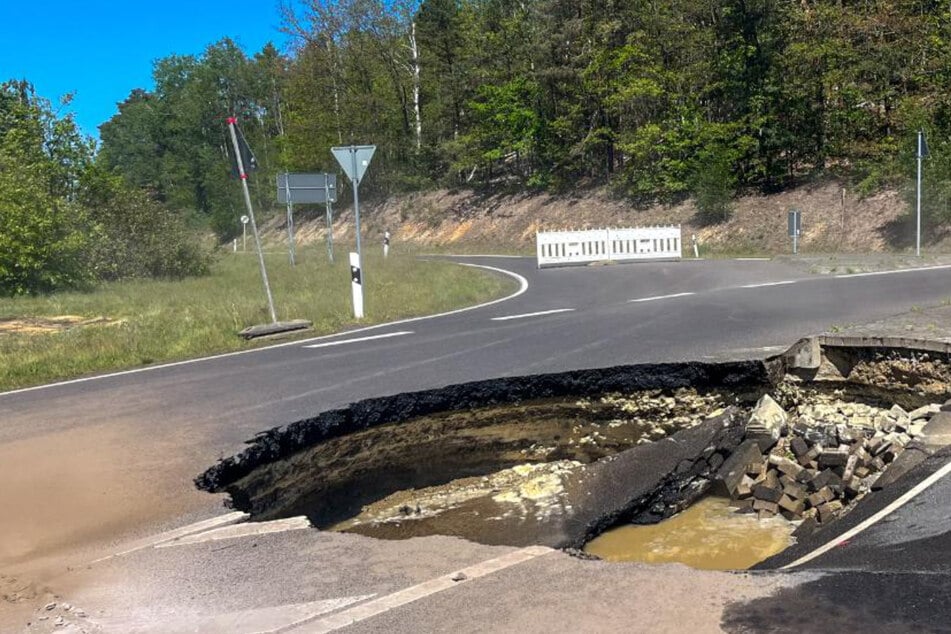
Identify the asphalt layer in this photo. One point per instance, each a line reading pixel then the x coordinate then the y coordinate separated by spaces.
pixel 177 420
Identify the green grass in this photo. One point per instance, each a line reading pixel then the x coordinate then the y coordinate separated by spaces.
pixel 161 321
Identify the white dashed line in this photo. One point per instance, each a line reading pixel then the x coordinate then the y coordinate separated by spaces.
pixel 387 335
pixel 888 510
pixel 769 284
pixel 538 314
pixel 652 299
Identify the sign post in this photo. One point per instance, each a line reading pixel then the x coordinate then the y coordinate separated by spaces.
pixel 922 152
pixel 243 175
pixel 354 160
pixel 244 233
pixel 794 226
pixel 308 188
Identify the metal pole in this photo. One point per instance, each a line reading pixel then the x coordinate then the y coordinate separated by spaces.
pixel 918 202
pixel 290 219
pixel 244 236
pixel 330 227
pixel 356 199
pixel 254 227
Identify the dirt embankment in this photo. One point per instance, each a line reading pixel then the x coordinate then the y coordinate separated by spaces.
pixel 835 219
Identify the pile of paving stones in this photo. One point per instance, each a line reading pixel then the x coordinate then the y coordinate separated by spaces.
pixel 815 464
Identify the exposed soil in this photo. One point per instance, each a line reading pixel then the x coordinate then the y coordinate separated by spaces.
pixel 835 220
pixel 47 325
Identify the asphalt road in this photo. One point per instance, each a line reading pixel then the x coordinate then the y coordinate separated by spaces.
pixel 88 464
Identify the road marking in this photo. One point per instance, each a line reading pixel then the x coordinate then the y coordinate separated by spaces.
pixel 893 272
pixel 769 284
pixel 753 259
pixel 522 282
pixel 265 620
pixel 888 510
pixel 250 529
pixel 359 339
pixel 538 314
pixel 191 529
pixel 651 299
pixel 422 590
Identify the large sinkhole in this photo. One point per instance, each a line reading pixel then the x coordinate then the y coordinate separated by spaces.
pixel 714 465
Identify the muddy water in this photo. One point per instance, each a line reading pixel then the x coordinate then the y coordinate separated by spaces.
pixel 709 535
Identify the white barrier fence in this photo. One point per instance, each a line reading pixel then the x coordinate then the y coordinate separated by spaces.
pixel 576 247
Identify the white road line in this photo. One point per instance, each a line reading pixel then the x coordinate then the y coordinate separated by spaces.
pixel 538 314
pixel 264 620
pixel 227 519
pixel 769 284
pixel 422 590
pixel 893 272
pixel 359 339
pixel 753 259
pixel 651 299
pixel 523 286
pixel 888 510
pixel 248 529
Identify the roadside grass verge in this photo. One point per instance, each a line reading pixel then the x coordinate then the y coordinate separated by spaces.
pixel 161 321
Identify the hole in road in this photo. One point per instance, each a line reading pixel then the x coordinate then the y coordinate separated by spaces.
pixel 712 465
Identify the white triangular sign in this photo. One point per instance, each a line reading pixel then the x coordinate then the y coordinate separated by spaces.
pixel 354 159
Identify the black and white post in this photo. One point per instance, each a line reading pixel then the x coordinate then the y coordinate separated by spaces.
pixel 354 159
pixel 243 175
pixel 330 230
pixel 291 243
pixel 386 243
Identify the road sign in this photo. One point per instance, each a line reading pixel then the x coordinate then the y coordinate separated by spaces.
pixel 794 227
pixel 794 223
pixel 307 188
pixel 354 160
pixel 245 220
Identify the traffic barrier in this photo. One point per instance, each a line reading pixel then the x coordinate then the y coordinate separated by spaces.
pixel 556 248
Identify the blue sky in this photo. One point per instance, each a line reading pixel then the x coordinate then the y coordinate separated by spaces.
pixel 101 50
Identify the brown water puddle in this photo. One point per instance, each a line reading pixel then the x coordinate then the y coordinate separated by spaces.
pixel 709 535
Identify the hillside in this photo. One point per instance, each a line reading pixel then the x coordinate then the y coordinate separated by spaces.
pixel 834 220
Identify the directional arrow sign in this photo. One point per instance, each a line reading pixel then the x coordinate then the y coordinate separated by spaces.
pixel 354 169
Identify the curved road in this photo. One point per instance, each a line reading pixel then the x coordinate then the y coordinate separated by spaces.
pixel 86 463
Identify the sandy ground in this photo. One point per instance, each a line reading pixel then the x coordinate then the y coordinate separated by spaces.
pixel 835 219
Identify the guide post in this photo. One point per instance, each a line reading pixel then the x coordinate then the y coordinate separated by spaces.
pixel 354 160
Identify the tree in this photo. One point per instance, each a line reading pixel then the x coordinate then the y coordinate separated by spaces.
pixel 41 157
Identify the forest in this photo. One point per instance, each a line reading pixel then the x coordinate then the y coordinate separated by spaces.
pixel 659 101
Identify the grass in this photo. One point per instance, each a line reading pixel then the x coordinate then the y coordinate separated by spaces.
pixel 160 321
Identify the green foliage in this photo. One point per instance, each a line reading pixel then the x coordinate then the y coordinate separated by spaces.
pixel 549 93
pixel 66 222
pixel 41 245
pixel 714 185
pixel 132 236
